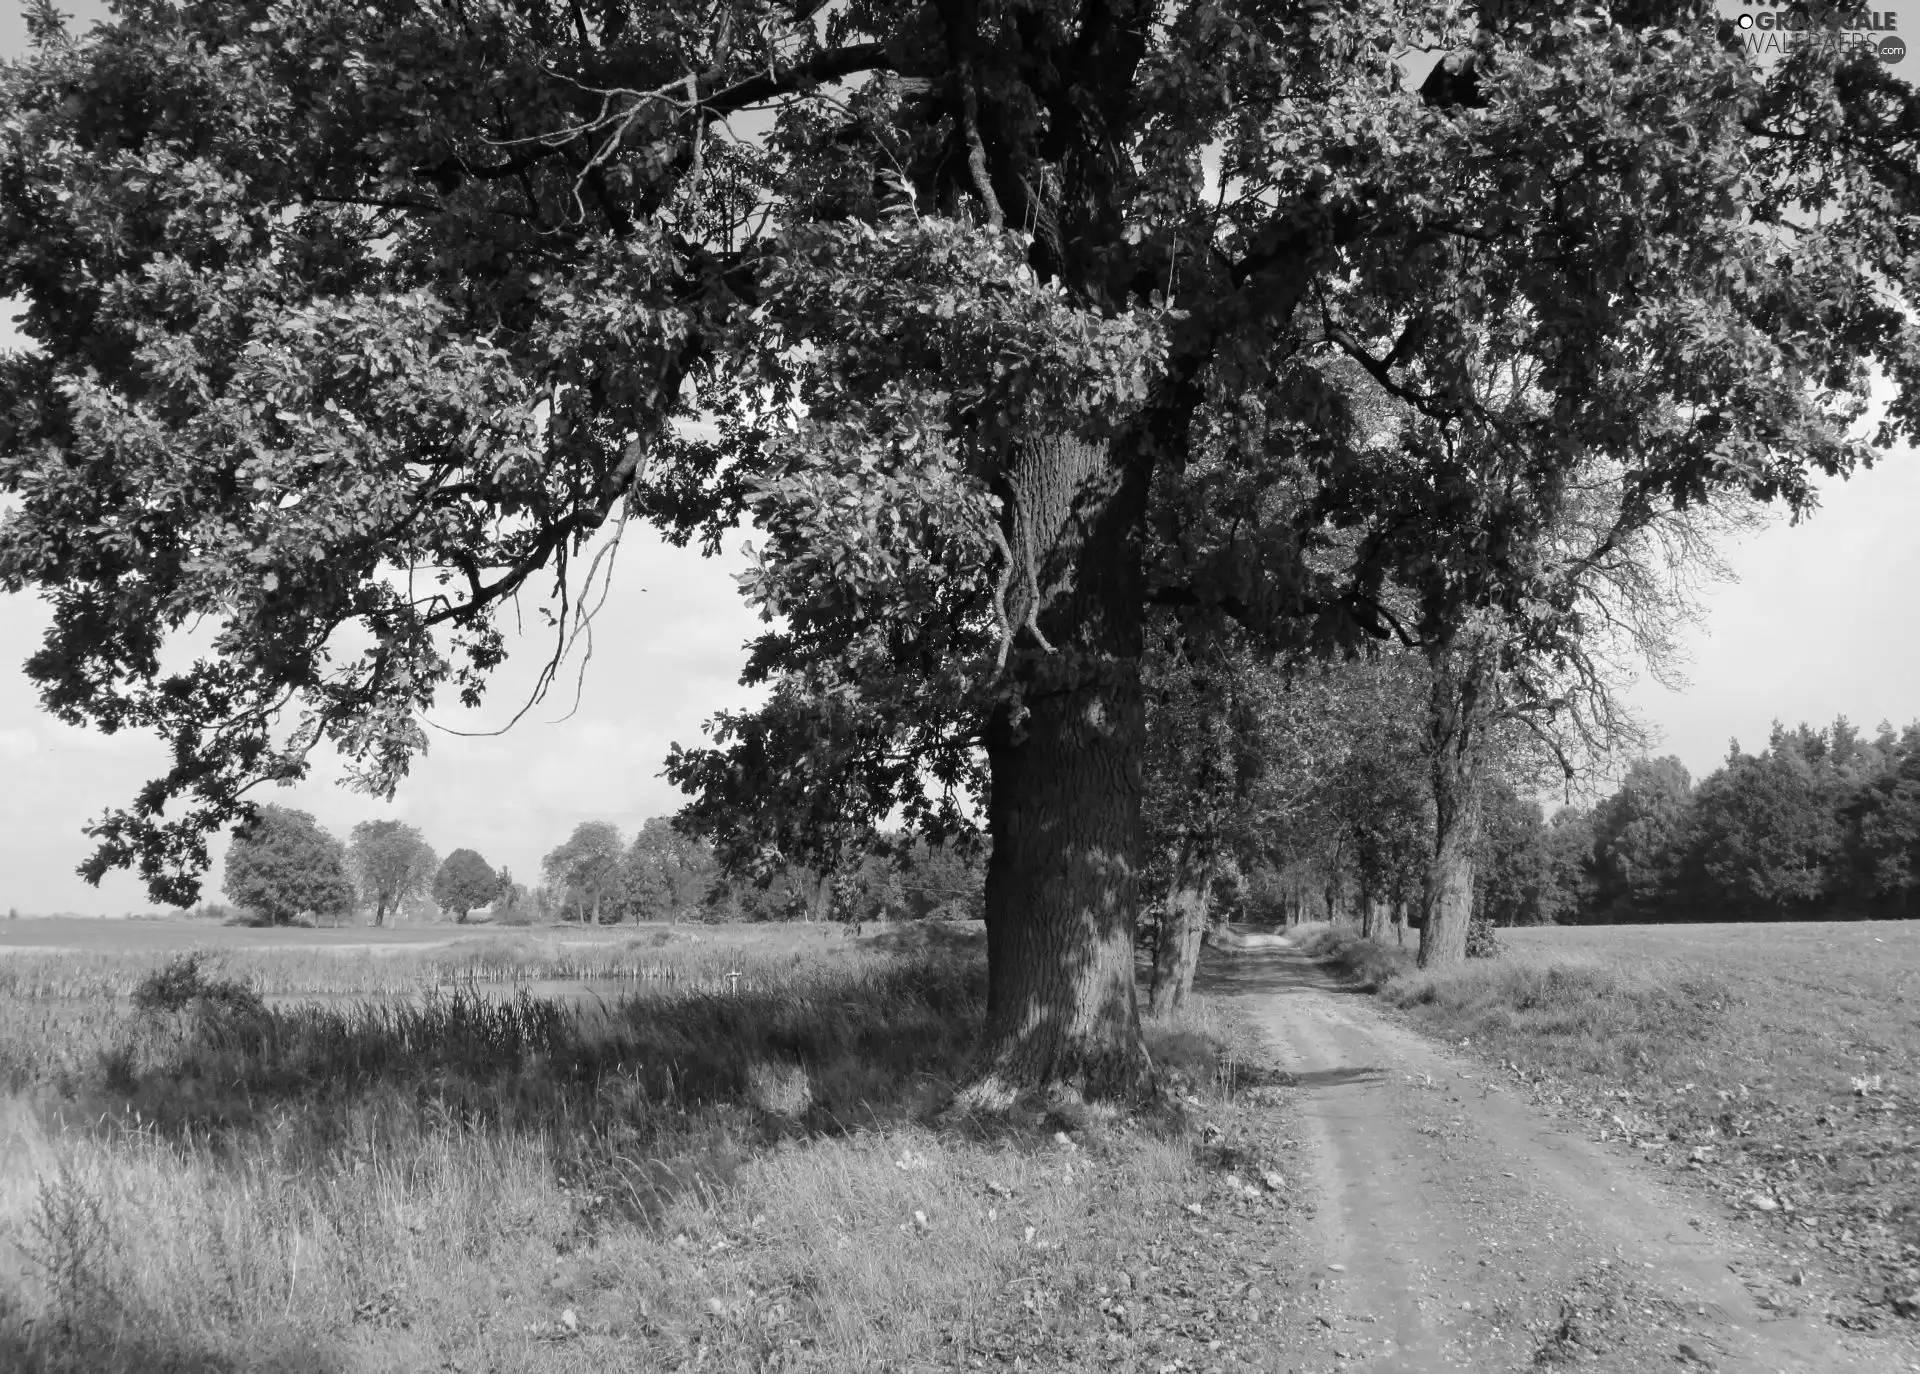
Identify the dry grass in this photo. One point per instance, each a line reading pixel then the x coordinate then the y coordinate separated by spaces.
pixel 290 962
pixel 690 1175
pixel 1775 1063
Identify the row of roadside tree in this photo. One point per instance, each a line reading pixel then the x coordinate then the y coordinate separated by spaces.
pixel 1819 824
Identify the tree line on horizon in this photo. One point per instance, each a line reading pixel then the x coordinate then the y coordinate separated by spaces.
pixel 1819 824
pixel 285 865
pixel 1309 795
pixel 666 872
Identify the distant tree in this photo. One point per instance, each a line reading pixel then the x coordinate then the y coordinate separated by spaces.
pixel 392 861
pixel 464 882
pixel 774 890
pixel 546 903
pixel 1880 822
pixel 510 896
pixel 941 881
pixel 1635 832
pixel 1514 869
pixel 1205 726
pixel 282 864
pixel 1252 766
pixel 1569 851
pixel 1383 794
pixel 666 872
pixel 1763 838
pixel 873 889
pixel 1310 784
pixel 586 869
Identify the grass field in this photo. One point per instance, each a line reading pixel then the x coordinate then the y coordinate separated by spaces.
pixel 1778 1063
pixel 702 1172
pixel 69 957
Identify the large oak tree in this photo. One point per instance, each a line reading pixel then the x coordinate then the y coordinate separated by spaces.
pixel 282 865
pixel 392 861
pixel 1015 320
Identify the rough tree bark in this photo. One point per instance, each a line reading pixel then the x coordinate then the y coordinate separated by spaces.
pixel 1183 924
pixel 1064 801
pixel 1453 725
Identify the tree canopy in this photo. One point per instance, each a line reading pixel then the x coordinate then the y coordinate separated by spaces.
pixel 667 873
pixel 1016 324
pixel 392 861
pixel 585 869
pixel 281 864
pixel 464 882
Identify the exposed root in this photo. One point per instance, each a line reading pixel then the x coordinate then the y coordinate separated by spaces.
pixel 995 1098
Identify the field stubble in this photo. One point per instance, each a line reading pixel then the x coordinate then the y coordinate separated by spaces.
pixel 735 1173
pixel 1774 1064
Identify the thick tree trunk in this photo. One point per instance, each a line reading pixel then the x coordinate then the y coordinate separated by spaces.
pixel 1063 1016
pixel 1183 924
pixel 1061 890
pixel 1453 739
pixel 1449 898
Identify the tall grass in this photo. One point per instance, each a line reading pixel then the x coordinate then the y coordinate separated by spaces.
pixel 743 1176
pixel 662 956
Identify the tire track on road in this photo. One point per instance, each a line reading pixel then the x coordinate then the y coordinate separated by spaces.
pixel 1457 1226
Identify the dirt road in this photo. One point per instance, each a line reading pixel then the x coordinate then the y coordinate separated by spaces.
pixel 1456 1226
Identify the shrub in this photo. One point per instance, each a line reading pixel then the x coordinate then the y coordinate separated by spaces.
pixel 1482 943
pixel 69 1248
pixel 1371 963
pixel 183 985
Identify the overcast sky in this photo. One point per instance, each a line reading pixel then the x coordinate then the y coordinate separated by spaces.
pixel 1821 622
